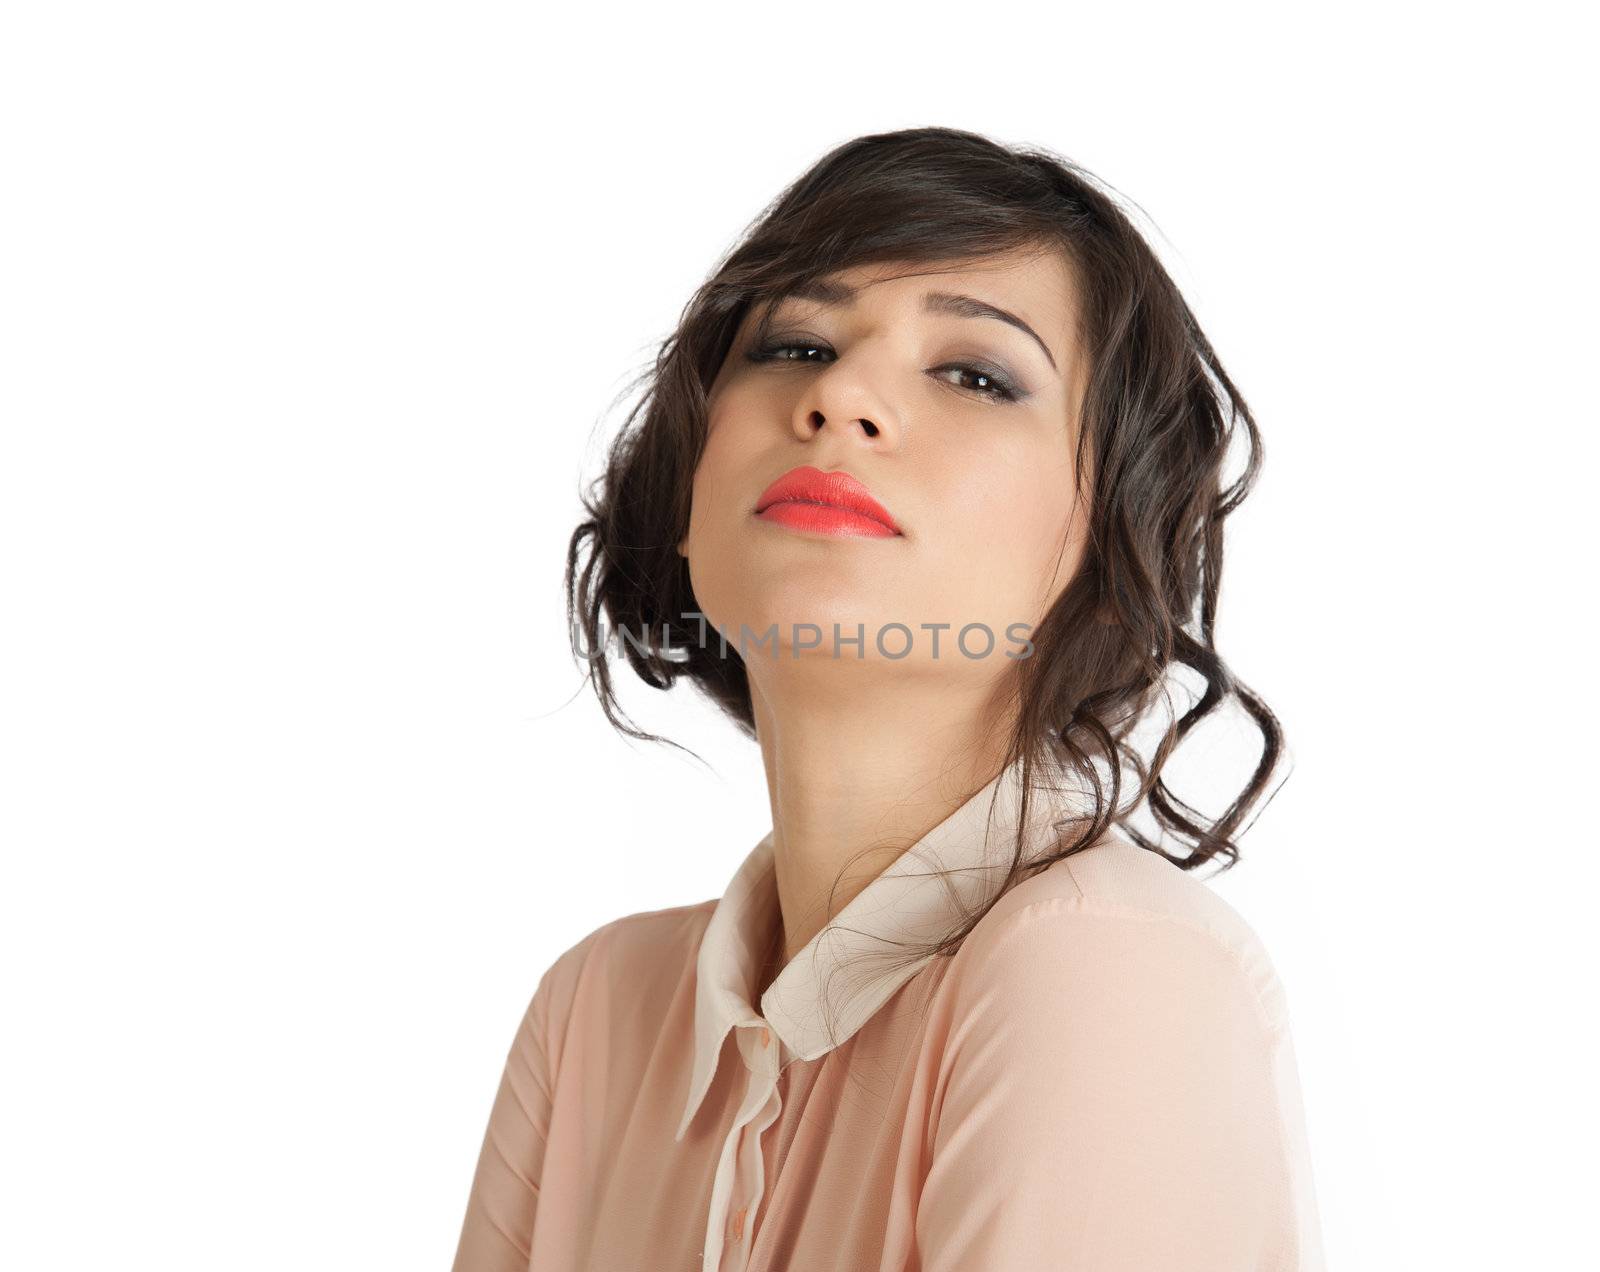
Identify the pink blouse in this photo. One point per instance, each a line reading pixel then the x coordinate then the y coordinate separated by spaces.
pixel 1101 1079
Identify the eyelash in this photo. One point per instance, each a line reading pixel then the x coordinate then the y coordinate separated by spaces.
pixel 1004 389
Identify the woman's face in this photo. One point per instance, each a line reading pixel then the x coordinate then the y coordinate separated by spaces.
pixel 961 427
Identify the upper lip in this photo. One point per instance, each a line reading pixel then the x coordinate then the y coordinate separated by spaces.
pixel 835 489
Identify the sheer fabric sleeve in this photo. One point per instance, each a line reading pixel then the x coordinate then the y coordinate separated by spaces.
pixel 1118 1095
pixel 497 1231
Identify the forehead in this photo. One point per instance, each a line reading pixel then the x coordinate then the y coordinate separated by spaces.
pixel 1041 273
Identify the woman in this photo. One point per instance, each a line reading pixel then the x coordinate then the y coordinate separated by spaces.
pixel 927 497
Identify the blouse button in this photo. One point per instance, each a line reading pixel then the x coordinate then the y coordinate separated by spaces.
pixel 766 1037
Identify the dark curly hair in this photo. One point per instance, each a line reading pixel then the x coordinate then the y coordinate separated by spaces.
pixel 1158 418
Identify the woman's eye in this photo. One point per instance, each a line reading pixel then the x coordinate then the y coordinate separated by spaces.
pixel 782 352
pixel 987 383
pixel 993 385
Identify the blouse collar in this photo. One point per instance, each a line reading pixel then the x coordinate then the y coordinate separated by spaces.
pixel 908 902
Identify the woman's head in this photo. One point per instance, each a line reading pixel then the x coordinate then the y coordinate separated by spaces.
pixel 960 423
pixel 1070 484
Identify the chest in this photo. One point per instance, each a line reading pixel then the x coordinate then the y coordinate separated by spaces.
pixel 786 1164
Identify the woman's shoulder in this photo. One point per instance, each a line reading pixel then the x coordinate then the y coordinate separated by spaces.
pixel 628 954
pixel 1116 895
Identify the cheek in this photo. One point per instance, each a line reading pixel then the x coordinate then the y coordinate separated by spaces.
pixel 1015 533
pixel 721 495
pixel 723 461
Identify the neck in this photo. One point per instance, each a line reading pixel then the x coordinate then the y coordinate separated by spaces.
pixel 858 772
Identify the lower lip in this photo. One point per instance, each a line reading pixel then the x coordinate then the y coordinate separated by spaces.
pixel 825 519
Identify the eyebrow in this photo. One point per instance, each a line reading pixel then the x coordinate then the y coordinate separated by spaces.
pixel 827 291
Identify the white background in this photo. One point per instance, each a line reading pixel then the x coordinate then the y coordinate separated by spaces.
pixel 313 316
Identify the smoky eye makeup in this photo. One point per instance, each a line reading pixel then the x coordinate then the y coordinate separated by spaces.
pixel 776 315
pixel 978 376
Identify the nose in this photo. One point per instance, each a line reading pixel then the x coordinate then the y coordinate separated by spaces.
pixel 843 400
pixel 816 422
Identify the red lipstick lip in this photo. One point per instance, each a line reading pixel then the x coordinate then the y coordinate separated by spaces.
pixel 834 490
